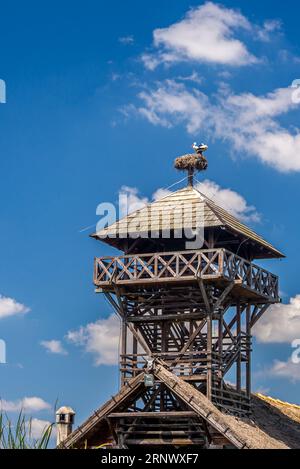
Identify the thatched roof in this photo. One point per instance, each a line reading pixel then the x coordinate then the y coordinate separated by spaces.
pixel 274 425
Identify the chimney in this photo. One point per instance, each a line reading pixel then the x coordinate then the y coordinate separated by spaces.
pixel 64 423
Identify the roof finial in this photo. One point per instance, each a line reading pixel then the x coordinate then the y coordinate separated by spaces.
pixel 192 163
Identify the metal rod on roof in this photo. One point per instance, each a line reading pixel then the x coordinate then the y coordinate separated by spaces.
pixel 191 173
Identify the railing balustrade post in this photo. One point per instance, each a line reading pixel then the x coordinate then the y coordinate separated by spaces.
pixel 221 262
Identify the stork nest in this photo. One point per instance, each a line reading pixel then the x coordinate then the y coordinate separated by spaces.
pixel 187 162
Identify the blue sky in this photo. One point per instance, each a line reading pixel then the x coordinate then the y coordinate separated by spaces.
pixel 102 95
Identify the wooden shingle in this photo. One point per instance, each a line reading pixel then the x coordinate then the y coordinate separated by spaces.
pixel 188 209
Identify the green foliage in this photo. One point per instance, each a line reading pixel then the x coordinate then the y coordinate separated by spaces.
pixel 19 435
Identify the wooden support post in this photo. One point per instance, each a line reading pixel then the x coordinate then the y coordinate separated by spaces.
pixel 209 356
pixel 248 363
pixel 238 334
pixel 123 349
pixel 220 347
pixel 204 294
pixel 134 352
pixel 165 326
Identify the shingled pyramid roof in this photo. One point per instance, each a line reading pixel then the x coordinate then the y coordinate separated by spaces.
pixel 166 213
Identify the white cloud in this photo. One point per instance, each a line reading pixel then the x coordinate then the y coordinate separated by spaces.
pixel 10 307
pixel 37 427
pixel 206 34
pixel 151 61
pixel 268 29
pixel 286 370
pixel 126 40
pixel 130 200
pixel 194 77
pixel 280 323
pixel 161 194
pixel 100 339
pixel 115 77
pixel 172 103
pixel 229 200
pixel 54 346
pixel 27 404
pixel 249 123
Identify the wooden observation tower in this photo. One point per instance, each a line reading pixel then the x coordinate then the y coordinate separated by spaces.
pixel 188 294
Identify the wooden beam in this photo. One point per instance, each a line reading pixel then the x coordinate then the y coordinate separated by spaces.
pixel 165 441
pixel 123 347
pixel 256 317
pixel 204 295
pixel 223 297
pixel 153 415
pixel 238 362
pixel 189 342
pixel 209 357
pixel 167 317
pixel 248 363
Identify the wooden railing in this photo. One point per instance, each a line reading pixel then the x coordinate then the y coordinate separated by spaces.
pixel 185 266
pixel 192 365
pixel 231 401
